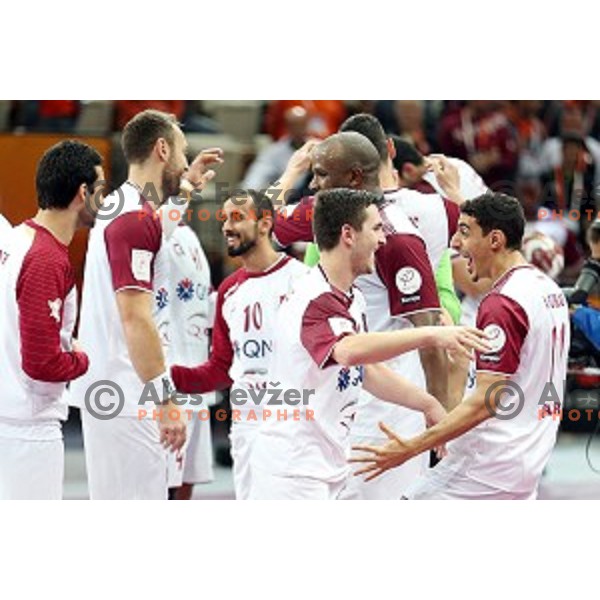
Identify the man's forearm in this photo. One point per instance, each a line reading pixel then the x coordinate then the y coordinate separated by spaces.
pixel 464 417
pixel 145 350
pixel 387 385
pixel 369 348
pixel 435 366
pixel 279 192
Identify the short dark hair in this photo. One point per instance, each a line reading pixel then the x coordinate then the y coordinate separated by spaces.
pixel 371 128
pixel 61 171
pixel 494 210
pixel 142 131
pixel 406 153
pixel 336 208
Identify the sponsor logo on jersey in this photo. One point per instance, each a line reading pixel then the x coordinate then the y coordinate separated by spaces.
pixel 496 337
pixel 185 290
pixel 408 280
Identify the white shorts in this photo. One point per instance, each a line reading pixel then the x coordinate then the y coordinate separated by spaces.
pixel 445 482
pixel 32 462
pixel 195 463
pixel 242 438
pixel 266 486
pixel 391 485
pixel 125 459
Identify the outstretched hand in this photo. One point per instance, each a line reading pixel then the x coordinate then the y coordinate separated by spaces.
pixel 379 459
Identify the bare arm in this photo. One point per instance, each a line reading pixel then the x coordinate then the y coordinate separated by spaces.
pixel 141 335
pixel 470 413
pixel 387 385
pixel 433 359
pixel 369 348
pixel 145 352
pixel 297 166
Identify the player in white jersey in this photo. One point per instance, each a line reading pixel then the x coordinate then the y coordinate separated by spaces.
pixel 400 294
pixel 505 431
pixel 125 277
pixel 323 354
pixel 38 308
pixel 185 318
pixel 245 316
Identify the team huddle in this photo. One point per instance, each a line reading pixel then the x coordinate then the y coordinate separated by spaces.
pixel 347 374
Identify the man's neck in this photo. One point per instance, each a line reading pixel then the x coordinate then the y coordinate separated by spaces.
pixel 387 179
pixel 505 263
pixel 338 274
pixel 62 224
pixel 148 182
pixel 260 258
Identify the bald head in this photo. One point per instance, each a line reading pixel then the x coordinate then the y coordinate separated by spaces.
pixel 347 160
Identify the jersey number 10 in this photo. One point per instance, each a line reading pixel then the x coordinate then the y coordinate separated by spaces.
pixel 253 316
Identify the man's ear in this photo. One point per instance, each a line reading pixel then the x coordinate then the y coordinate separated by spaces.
pixel 162 149
pixel 266 222
pixel 497 239
pixel 347 235
pixel 356 178
pixel 391 148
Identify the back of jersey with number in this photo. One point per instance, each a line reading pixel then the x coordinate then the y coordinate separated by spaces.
pixel 526 317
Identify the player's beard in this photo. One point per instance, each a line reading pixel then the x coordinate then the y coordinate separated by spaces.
pixel 171 182
pixel 242 248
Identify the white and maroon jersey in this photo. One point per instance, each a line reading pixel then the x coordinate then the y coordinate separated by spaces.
pixel 402 285
pixel 186 313
pixel 434 216
pixel 310 323
pixel 527 319
pixel 245 316
pixel 38 308
pixel 128 251
pixel 471 183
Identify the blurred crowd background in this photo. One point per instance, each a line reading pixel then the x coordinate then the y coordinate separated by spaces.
pixel 546 153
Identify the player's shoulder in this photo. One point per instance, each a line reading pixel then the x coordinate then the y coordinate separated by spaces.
pixel 309 284
pixel 524 287
pixel 295 268
pixel 231 283
pixel 139 227
pixel 396 221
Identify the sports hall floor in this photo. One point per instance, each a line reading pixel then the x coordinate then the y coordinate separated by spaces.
pixel 568 476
